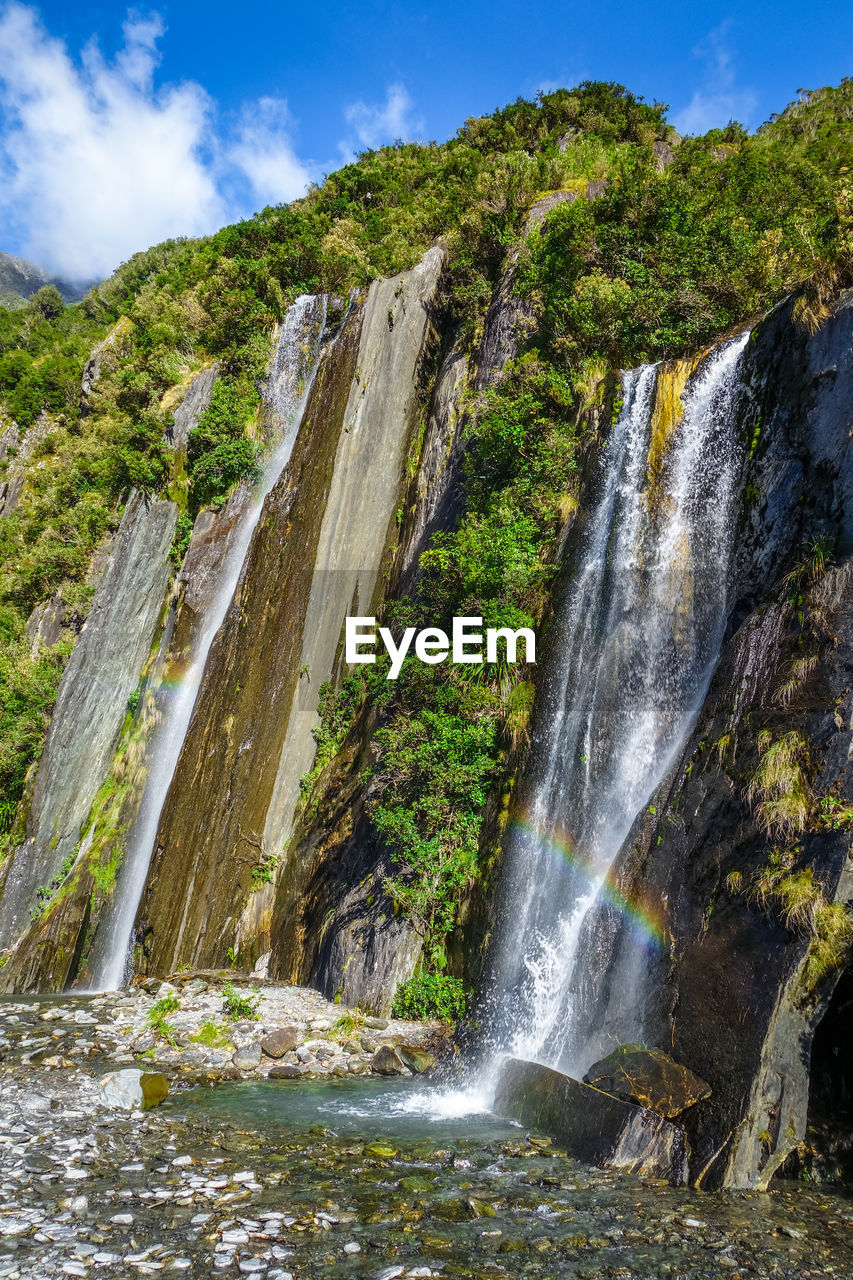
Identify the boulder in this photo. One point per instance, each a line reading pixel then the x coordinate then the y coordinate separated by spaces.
pixel 593 1126
pixel 287 1071
pixel 247 1058
pixel 387 1062
pixel 416 1058
pixel 279 1042
pixel 131 1089
pixel 650 1078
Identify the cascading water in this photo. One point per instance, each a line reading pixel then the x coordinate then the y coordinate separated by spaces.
pixel 285 394
pixel 643 622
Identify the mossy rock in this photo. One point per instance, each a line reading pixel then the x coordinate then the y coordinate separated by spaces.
pixel 649 1078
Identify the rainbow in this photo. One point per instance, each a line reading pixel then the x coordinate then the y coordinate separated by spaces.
pixel 645 919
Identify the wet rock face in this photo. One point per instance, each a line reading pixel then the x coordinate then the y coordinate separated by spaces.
pixel 594 1126
pixel 193 405
pixel 230 755
pixel 101 673
pixel 648 1078
pixel 317 554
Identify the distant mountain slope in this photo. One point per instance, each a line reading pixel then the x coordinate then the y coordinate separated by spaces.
pixel 20 279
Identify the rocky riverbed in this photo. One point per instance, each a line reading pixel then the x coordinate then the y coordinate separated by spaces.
pixel 340 1174
pixel 209 1027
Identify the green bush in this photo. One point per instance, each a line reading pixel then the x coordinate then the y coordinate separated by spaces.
pixel 219 454
pixel 237 1005
pixel 430 995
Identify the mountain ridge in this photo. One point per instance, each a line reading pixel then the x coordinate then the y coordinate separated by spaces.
pixel 20 279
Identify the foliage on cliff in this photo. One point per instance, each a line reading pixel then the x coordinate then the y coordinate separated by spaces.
pixel 661 262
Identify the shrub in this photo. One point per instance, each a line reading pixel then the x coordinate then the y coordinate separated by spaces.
pixel 430 995
pixel 238 1005
pixel 158 1014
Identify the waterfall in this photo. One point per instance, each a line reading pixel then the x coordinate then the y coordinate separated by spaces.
pixel 640 627
pixel 285 395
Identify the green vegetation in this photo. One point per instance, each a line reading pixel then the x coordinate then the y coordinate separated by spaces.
pixel 158 1015
pixel 809 569
pixel 213 1035
pixel 238 1005
pixel 430 995
pixel 45 893
pixel 779 789
pixel 28 687
pixel 349 1023
pixel 219 454
pixel 803 907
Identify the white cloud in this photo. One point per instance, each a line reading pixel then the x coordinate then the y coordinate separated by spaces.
pixel 263 152
pixel 96 163
pixel 719 99
pixel 378 124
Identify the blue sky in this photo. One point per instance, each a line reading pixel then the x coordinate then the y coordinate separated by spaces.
pixel 120 128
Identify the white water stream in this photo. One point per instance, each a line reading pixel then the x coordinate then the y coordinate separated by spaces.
pixel 286 393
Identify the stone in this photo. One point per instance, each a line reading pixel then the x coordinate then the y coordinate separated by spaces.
pixel 131 1089
pixel 387 1062
pixel 287 1071
pixel 297 590
pixel 192 406
pixel 278 1043
pixel 650 1078
pixel 376 1024
pixel 380 1151
pixel 595 1127
pixel 416 1058
pixel 247 1058
pixel 113 348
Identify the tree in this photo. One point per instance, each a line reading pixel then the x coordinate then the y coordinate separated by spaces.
pixel 47 303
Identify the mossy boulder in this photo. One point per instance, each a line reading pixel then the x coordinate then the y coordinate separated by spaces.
pixel 594 1126
pixel 416 1058
pixel 131 1089
pixel 650 1078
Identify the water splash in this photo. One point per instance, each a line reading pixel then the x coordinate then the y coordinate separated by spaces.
pixel 285 394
